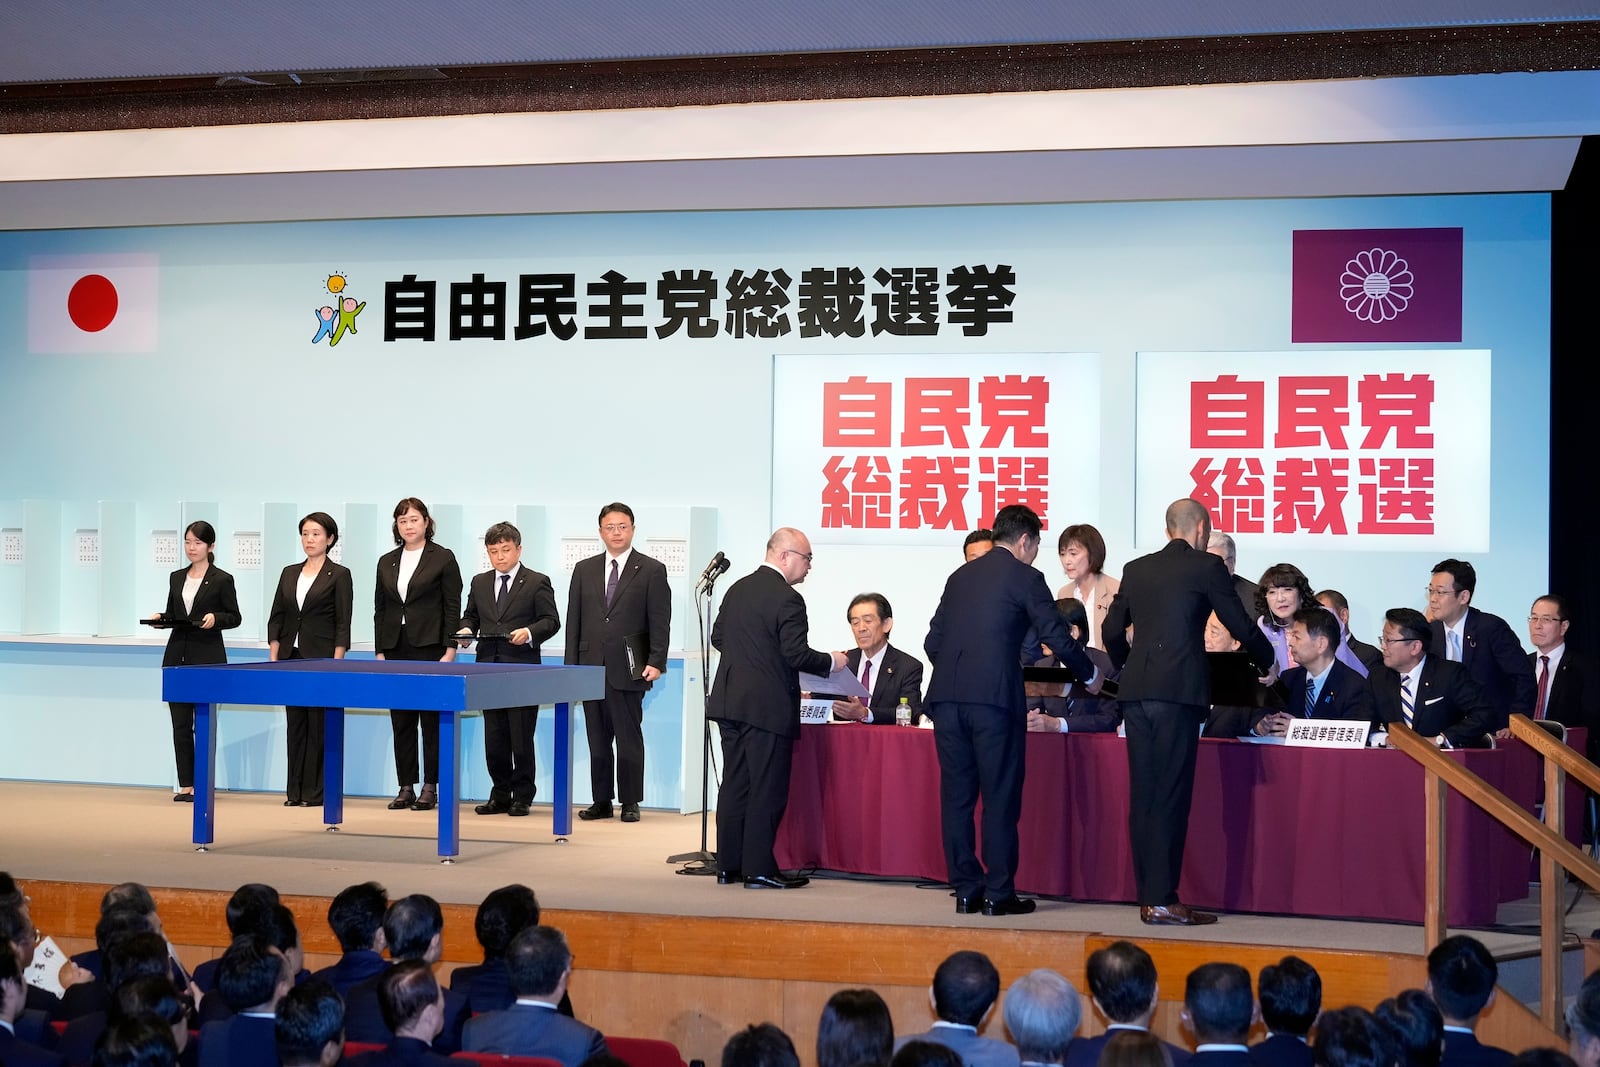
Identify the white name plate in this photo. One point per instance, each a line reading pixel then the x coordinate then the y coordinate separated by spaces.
pixel 1328 733
pixel 815 711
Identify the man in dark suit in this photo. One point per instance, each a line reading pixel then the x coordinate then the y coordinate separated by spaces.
pixel 414 1011
pixel 14 1051
pixel 1219 1011
pixel 1221 545
pixel 1480 642
pixel 1336 602
pixel 889 674
pixel 1433 696
pixel 514 608
pixel 356 918
pixel 1566 684
pixel 252 977
pixel 1122 984
pixel 1461 980
pixel 1320 687
pixel 763 635
pixel 540 964
pixel 619 615
pixel 965 988
pixel 413 927
pixel 1290 992
pixel 309 1029
pixel 1165 692
pixel 979 708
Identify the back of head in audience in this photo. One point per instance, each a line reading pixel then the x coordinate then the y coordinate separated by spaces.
pixel 13 992
pixel 1461 979
pixel 1134 1048
pixel 356 917
pixel 248 898
pixel 965 987
pixel 16 930
pixel 1542 1057
pixel 144 1041
pixel 1414 1026
pixel 309 1031
pixel 1218 1004
pixel 412 927
pixel 157 997
pixel 855 1030
pixel 762 1045
pixel 128 895
pixel 1122 981
pixel 135 956
pixel 252 974
pixel 1351 1037
pixel 1291 995
pixel 1583 1023
pixel 1042 1011
pixel 926 1054
pixel 120 922
pixel 11 894
pixel 411 1000
pixel 539 962
pixel 504 914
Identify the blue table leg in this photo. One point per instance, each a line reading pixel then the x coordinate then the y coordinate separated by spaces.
pixel 449 785
pixel 205 775
pixel 333 767
pixel 561 822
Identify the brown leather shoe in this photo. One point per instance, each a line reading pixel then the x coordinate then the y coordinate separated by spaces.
pixel 1174 915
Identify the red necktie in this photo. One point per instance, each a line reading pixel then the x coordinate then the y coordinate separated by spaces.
pixel 866 675
pixel 1544 687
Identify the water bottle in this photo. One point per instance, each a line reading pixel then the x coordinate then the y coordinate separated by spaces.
pixel 902 713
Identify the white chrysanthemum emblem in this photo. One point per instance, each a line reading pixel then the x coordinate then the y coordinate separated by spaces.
pixel 1376 285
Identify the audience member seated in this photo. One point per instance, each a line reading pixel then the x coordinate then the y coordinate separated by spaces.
pixel 356 918
pixel 14 1051
pixel 17 931
pixel 1055 708
pixel 248 897
pixel 855 1031
pixel 1219 1010
pixel 1319 687
pixel 540 965
pixel 1415 1028
pixel 889 674
pixel 1221 545
pixel 762 1045
pixel 126 895
pixel 1290 993
pixel 85 995
pixel 1083 560
pixel 1336 602
pixel 1123 989
pixel 1461 980
pixel 1351 1037
pixel 276 926
pixel 144 1041
pixel 1482 643
pixel 252 976
pixel 125 960
pixel 1583 1023
pixel 1042 1013
pixel 159 997
pixel 1444 703
pixel 413 927
pixel 504 914
pixel 978 543
pixel 1282 591
pixel 1135 1048
pixel 965 987
pixel 309 1028
pixel 925 1054
pixel 412 1004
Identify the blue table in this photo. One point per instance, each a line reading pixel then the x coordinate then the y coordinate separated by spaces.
pixel 451 689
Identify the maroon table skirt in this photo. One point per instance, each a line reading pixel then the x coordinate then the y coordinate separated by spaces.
pixel 1274 829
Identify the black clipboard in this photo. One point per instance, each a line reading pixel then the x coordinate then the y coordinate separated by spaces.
pixel 165 622
pixel 1067 676
pixel 637 647
pixel 1236 682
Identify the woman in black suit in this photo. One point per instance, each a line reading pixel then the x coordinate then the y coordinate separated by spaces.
pixel 310 620
pixel 203 594
pixel 417 607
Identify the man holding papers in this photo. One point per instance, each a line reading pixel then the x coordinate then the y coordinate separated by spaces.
pixel 885 672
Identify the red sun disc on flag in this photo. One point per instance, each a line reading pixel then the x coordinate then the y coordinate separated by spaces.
pixel 92 303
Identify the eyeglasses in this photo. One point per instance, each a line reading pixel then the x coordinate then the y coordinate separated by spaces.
pixel 1545 618
pixel 1397 640
pixel 1435 591
pixel 617 527
pixel 803 555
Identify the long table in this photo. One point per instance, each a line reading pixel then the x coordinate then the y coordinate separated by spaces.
pixel 451 689
pixel 1274 829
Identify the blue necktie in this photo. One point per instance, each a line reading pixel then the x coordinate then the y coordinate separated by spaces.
pixel 1455 647
pixel 1311 698
pixel 1406 708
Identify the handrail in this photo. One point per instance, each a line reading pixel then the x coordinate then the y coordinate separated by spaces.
pixel 1555 851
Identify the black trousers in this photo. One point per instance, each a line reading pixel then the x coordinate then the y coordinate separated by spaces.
pixel 183 742
pixel 304 750
pixel 981 750
pixel 755 790
pixel 617 717
pixel 405 724
pixel 1163 739
pixel 508 751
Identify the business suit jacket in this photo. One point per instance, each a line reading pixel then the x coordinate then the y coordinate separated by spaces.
pixel 530 1030
pixel 323 624
pixel 402 1052
pixel 432 604
pixel 643 605
pixel 242 1041
pixel 216 596
pixel 1465 1050
pixel 15 1052
pixel 1096 606
pixel 1167 597
pixel 1085 712
pixel 1085 1051
pixel 899 675
pixel 1281 1050
pixel 763 635
pixel 352 969
pixel 1573 692
pixel 1496 661
pixel 1447 701
pixel 1367 654
pixel 1220 1059
pixel 363 1018
pixel 1344 694
pixel 530 601
pixel 487 987
pixel 975 1051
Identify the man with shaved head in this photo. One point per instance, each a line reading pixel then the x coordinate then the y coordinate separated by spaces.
pixel 1165 692
pixel 764 637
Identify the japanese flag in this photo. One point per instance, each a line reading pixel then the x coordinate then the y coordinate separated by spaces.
pixel 93 303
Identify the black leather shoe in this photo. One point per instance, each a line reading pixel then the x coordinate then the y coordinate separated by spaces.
pixel 183 798
pixel 773 881
pixel 493 807
pixel 428 799
pixel 730 878
pixel 294 803
pixel 1012 905
pixel 1174 915
pixel 600 809
pixel 403 799
pixel 517 809
pixel 630 813
pixel 969 905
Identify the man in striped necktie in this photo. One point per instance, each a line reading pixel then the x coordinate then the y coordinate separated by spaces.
pixel 1432 695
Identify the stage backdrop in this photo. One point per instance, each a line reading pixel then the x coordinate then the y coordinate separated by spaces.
pixel 1356 385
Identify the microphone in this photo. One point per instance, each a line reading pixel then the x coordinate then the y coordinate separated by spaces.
pixel 718 564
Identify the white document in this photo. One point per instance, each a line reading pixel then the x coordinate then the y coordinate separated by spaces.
pixel 45 970
pixel 841 682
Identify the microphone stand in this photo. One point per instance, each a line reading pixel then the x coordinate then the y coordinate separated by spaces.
pixel 703 861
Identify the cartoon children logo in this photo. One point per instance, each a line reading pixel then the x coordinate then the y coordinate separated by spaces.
pixel 339 318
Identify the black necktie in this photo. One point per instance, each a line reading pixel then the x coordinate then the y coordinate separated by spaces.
pixel 500 594
pixel 611 584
